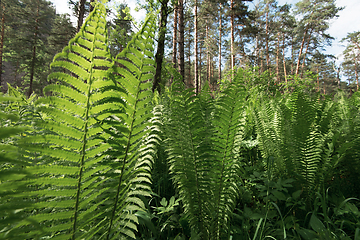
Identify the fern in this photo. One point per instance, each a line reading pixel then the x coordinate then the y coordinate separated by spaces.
pixel 11 170
pixel 295 134
pixel 203 138
pixel 97 141
pixel 138 140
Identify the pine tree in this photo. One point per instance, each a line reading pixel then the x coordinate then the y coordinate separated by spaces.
pixel 33 26
pixel 120 32
pixel 315 16
pixel 352 58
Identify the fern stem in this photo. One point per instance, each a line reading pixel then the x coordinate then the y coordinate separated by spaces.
pixel 217 230
pixel 83 150
pixel 125 157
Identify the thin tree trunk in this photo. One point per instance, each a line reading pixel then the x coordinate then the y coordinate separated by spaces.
pixel 267 35
pixel 261 62
pixel 301 49
pixel 81 14
pixel 181 40
pixel 318 79
pixel 232 40
pixel 207 52
pixel 200 65
pixel 33 59
pixel 292 55
pixel 284 60
pixel 306 51
pixel 2 39
pixel 278 59
pixel 174 57
pixel 356 75
pixel 189 59
pixel 220 28
pixel 196 79
pixel 161 46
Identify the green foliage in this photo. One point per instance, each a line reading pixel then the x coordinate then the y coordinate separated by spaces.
pixel 294 134
pixel 249 163
pixel 89 164
pixel 203 138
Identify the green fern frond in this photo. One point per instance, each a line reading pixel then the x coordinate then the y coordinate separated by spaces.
pixel 71 141
pixel 185 131
pixel 11 170
pixel 203 138
pixel 295 133
pixel 134 70
pixel 229 122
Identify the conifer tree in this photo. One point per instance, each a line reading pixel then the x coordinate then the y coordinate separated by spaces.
pixel 33 26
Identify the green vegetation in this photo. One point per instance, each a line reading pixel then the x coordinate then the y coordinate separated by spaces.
pixel 101 156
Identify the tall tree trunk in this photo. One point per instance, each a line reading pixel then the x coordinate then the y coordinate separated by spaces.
pixel 181 40
pixel 2 39
pixel 318 79
pixel 284 60
pixel 207 52
pixel 261 61
pixel 306 51
pixel 189 60
pixel 356 75
pixel 161 46
pixel 278 58
pixel 200 65
pixel 292 55
pixel 267 36
pixel 301 49
pixel 196 77
pixel 81 14
pixel 220 33
pixel 174 58
pixel 232 40
pixel 33 59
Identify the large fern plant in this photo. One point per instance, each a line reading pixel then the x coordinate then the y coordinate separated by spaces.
pixel 294 135
pixel 94 153
pixel 203 138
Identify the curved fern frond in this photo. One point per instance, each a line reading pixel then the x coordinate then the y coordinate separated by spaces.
pixel 295 134
pixel 229 121
pixel 133 70
pixel 68 189
pixel 11 171
pixel 189 155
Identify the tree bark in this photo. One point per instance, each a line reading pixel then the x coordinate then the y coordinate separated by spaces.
pixel 207 52
pixel 2 39
pixel 356 75
pixel 181 40
pixel 301 49
pixel 278 58
pixel 196 78
pixel 220 41
pixel 292 55
pixel 174 57
pixel 232 40
pixel 306 51
pixel 33 59
pixel 189 60
pixel 200 66
pixel 161 46
pixel 317 78
pixel 267 35
pixel 81 14
pixel 284 60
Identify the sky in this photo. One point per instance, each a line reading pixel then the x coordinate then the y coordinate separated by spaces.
pixel 348 20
